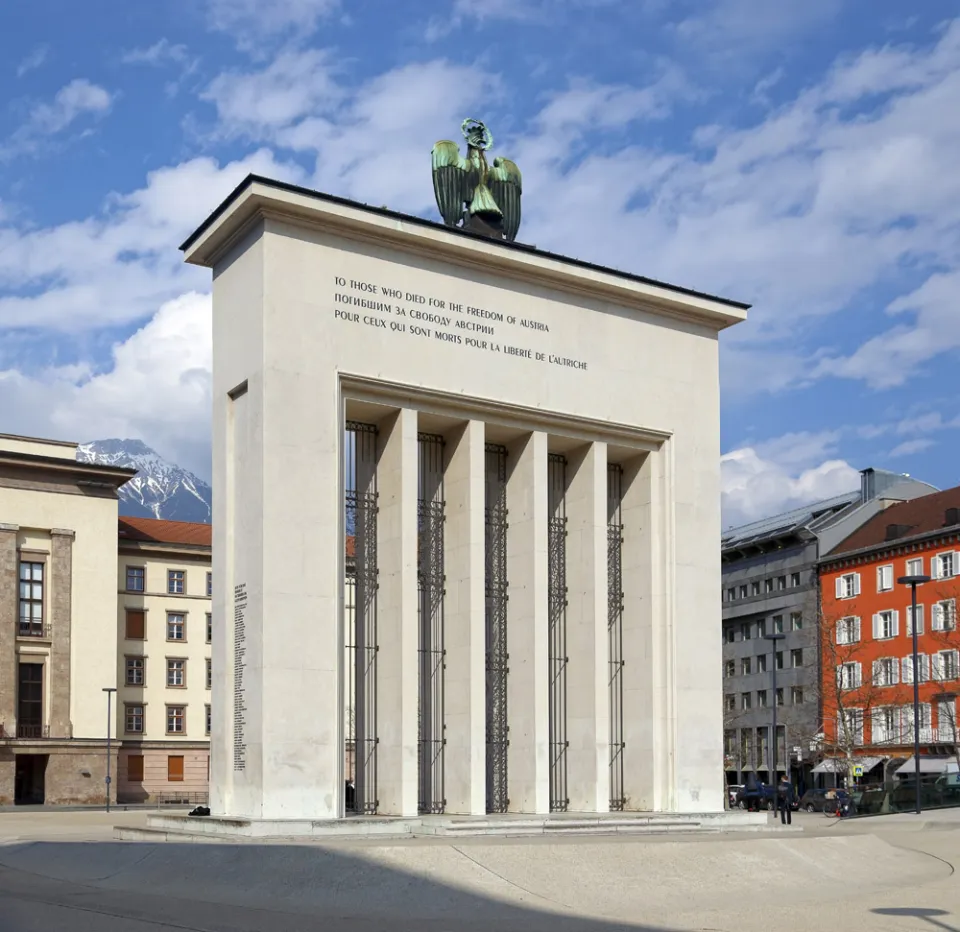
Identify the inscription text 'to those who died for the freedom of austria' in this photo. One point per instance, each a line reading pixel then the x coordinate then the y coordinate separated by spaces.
pixel 415 316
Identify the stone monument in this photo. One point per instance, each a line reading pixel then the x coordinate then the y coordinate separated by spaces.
pixel 466 516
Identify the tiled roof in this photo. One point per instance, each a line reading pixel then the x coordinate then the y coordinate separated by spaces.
pixel 922 515
pixel 165 532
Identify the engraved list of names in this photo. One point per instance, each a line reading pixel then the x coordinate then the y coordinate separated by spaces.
pixel 239 696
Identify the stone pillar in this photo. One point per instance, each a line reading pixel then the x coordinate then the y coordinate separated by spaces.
pixel 61 602
pixel 9 615
pixel 397 693
pixel 648 719
pixel 464 564
pixel 528 772
pixel 588 706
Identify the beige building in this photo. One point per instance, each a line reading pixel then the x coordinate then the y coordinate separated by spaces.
pixel 58 521
pixel 163 660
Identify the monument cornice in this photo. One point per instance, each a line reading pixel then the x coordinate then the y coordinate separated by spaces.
pixel 257 199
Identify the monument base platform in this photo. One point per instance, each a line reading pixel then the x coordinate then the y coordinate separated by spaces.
pixel 220 829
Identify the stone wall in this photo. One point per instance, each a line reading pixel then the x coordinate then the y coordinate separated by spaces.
pixel 7 771
pixel 66 784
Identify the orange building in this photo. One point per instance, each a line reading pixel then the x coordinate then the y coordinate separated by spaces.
pixel 867 644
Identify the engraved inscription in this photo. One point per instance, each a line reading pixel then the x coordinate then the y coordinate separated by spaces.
pixel 239 663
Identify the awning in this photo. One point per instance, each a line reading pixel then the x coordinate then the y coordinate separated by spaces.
pixel 841 764
pixel 928 764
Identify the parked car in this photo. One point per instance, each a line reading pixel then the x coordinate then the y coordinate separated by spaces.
pixel 732 790
pixel 760 796
pixel 822 800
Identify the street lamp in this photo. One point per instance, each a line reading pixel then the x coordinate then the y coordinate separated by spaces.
pixel 773 672
pixel 913 582
pixel 109 690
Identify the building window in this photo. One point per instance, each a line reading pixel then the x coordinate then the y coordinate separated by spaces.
pixel 176 717
pixel 848 586
pixel 851 722
pixel 778 624
pixel 762 628
pixel 848 630
pixel 886 672
pixel 779 695
pixel 176 626
pixel 207 729
pixel 135 669
pixel 730 668
pixel 885 625
pixel 175 768
pixel 778 659
pixel 136 578
pixel 794 579
pixel 209 585
pixel 743 592
pixel 176 582
pixel 796 695
pixel 31 599
pixel 910 620
pixel 945 666
pixel 133 720
pixel 135 768
pixel 947 721
pixel 906 668
pixel 915 567
pixel 848 676
pixel 730 702
pixel 945 615
pixel 745 701
pixel 731 594
pixel 176 672
pixel 136 628
pixel 885 725
pixel 761 698
pixel 796 657
pixel 885 578
pixel 796 621
pixel 768 585
pixel 209 673
pixel 943 565
pixel 781 582
pixel 745 666
pixel 755 588
pixel 745 631
pixel 210 629
pixel 761 663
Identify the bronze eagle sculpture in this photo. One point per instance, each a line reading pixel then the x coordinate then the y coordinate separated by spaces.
pixel 484 198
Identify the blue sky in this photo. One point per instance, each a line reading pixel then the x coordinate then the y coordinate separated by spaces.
pixel 801 157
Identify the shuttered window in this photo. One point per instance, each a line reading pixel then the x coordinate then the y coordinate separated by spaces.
pixel 175 769
pixel 135 768
pixel 136 625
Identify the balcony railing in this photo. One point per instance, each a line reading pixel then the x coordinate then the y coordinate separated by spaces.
pixel 33 731
pixel 31 629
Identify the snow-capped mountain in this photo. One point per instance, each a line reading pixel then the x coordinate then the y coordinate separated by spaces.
pixel 160 489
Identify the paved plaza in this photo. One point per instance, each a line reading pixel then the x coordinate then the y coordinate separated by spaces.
pixel 65 871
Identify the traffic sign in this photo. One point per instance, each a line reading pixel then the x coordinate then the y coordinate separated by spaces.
pixel 858 770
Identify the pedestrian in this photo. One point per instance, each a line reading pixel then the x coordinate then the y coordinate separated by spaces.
pixel 785 799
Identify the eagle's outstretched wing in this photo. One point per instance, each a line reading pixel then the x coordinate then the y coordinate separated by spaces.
pixel 506 187
pixel 450 180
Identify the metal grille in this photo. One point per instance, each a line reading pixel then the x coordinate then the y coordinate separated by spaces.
pixel 360 622
pixel 496 627
pixel 557 622
pixel 615 631
pixel 430 582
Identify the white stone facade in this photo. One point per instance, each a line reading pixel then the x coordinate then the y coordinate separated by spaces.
pixel 327 312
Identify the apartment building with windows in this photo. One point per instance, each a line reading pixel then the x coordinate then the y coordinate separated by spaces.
pixel 58 521
pixel 164 675
pixel 770 587
pixel 867 645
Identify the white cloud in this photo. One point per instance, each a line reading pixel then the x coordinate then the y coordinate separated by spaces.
pixel 156 388
pixel 120 265
pixel 33 60
pixel 909 447
pixel 74 100
pixel 161 52
pixel 250 21
pixel 754 486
